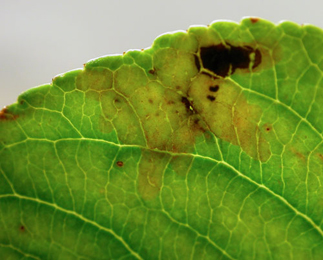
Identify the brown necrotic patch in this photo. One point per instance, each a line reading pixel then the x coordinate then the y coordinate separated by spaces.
pixel 320 156
pixel 5 114
pixel 224 59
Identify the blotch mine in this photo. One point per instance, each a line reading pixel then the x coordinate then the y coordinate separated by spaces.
pixel 230 117
pixel 167 122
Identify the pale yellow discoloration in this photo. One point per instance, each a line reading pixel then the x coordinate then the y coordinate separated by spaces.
pixel 128 78
pixel 151 168
pixel 167 123
pixel 96 79
pixel 180 164
pixel 175 68
pixel 170 107
pixel 229 116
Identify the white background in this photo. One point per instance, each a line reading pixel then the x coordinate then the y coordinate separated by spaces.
pixel 40 39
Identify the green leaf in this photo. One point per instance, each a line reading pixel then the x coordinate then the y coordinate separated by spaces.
pixel 208 145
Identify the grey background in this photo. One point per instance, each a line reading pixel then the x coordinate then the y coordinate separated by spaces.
pixel 40 39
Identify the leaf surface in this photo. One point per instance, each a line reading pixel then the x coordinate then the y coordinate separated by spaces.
pixel 208 145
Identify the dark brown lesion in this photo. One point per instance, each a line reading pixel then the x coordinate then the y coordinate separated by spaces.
pixel 152 71
pixel 188 105
pixel 214 88
pixel 267 127
pixel 224 59
pixel 197 62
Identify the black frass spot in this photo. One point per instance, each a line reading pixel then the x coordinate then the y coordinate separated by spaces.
pixel 225 59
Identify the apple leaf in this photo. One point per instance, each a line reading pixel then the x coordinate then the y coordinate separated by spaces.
pixel 208 145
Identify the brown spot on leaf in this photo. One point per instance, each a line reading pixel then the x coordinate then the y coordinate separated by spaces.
pixel 120 163
pixel 254 19
pixel 22 228
pixel 267 127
